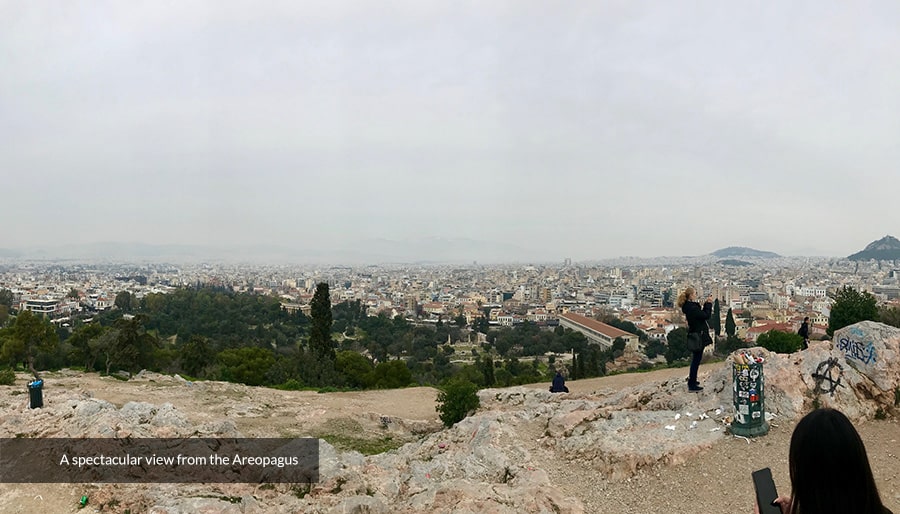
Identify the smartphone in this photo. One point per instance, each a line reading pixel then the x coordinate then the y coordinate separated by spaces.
pixel 765 491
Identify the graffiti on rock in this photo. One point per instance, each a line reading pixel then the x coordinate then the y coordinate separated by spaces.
pixel 829 371
pixel 854 349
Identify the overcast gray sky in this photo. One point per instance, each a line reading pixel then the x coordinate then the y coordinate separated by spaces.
pixel 583 129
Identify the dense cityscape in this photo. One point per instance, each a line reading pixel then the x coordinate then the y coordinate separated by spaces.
pixel 764 294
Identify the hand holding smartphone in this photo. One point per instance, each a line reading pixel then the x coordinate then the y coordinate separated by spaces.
pixel 765 492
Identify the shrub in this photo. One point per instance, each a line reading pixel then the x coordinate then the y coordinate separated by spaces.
pixel 7 377
pixel 291 384
pixel 456 401
pixel 780 342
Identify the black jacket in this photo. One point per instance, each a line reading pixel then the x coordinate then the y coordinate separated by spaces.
pixel 696 316
pixel 559 384
pixel 804 330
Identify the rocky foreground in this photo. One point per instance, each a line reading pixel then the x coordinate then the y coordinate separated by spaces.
pixel 496 460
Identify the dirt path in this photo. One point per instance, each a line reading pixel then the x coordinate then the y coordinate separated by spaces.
pixel 621 381
pixel 257 411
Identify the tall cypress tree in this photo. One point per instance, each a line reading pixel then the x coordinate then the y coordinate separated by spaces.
pixel 320 324
pixel 716 318
pixel 730 328
pixel 487 369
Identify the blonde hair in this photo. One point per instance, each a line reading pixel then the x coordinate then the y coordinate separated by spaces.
pixel 684 296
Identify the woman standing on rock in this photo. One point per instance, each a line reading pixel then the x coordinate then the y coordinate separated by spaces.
pixel 696 317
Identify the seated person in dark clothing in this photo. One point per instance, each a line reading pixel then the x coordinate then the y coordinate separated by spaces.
pixel 559 384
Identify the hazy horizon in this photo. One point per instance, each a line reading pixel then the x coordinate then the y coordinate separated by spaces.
pixel 370 252
pixel 583 130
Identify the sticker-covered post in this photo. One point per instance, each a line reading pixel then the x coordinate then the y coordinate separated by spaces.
pixel 749 397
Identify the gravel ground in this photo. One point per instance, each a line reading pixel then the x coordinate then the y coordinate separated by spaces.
pixel 717 480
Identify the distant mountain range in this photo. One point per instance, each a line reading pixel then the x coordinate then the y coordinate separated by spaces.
pixel 885 249
pixel 741 251
pixel 425 250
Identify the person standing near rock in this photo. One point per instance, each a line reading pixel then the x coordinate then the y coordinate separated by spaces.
pixel 804 332
pixel 696 317
pixel 830 471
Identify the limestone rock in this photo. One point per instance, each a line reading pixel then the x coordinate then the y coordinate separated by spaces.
pixel 492 461
pixel 873 349
pixel 858 376
pixel 361 505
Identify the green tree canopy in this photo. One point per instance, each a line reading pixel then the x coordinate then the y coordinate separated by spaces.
pixel 79 343
pixel 113 350
pixel 851 306
pixel 226 318
pixel 247 365
pixel 196 355
pixel 6 298
pixel 780 342
pixel 677 348
pixel 654 347
pixel 392 374
pixel 125 301
pixel 135 344
pixel 356 368
pixel 30 334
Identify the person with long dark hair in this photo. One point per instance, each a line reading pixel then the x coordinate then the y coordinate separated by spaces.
pixel 830 472
pixel 696 317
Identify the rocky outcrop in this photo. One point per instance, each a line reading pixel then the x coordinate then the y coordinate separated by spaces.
pixel 78 415
pixel 497 459
pixel 858 373
pixel 479 465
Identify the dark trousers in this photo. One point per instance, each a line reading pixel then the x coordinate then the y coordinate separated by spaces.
pixel 695 365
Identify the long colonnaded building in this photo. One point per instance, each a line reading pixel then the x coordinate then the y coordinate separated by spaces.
pixel 597 332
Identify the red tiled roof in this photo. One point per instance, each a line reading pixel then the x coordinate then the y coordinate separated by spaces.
pixel 607 330
pixel 782 327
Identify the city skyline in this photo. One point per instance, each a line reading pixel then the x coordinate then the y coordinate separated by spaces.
pixel 524 129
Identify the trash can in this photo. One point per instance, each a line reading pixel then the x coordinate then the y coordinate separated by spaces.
pixel 36 394
pixel 749 397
